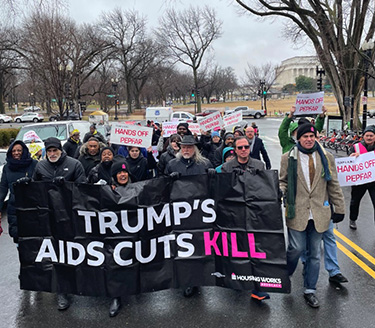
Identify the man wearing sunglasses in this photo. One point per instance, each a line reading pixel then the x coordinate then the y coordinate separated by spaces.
pixel 242 161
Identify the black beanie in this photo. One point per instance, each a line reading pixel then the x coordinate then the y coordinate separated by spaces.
pixel 369 128
pixel 305 128
pixel 184 124
pixel 118 166
pixel 52 142
pixel 109 148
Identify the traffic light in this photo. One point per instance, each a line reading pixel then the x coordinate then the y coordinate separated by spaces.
pixel 193 93
pixel 264 92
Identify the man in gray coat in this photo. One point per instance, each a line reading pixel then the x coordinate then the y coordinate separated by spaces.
pixel 308 180
pixel 242 161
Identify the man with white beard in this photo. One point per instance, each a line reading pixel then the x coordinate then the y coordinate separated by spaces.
pixel 59 167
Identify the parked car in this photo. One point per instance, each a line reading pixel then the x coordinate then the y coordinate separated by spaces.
pixel 32 109
pixel 182 116
pixel 371 113
pixel 60 130
pixel 246 111
pixel 29 117
pixel 72 116
pixel 5 118
pixel 208 112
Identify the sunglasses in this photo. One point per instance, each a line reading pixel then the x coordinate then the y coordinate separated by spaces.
pixel 243 147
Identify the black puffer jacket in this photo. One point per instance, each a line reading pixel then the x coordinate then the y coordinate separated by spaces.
pixel 71 147
pixel 165 158
pixel 67 167
pixel 102 171
pixel 188 166
pixel 11 173
pixel 138 168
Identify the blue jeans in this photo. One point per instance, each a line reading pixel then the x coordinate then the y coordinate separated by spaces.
pixel 330 251
pixel 299 241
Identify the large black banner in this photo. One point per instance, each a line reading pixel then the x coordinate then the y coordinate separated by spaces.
pixel 152 235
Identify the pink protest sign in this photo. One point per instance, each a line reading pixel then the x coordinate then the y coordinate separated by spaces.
pixel 210 122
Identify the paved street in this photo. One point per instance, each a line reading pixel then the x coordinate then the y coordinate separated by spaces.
pixel 348 306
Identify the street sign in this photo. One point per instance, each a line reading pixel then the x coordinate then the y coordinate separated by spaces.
pixel 111 96
pixel 364 100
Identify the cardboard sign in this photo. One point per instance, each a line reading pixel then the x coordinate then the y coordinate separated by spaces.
pixel 210 122
pixel 169 128
pixel 309 103
pixel 131 135
pixel 233 118
pixel 353 171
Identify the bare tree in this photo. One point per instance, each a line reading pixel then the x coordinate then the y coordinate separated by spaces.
pixel 187 35
pixel 267 73
pixel 336 29
pixel 134 50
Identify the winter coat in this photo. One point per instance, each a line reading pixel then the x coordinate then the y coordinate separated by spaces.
pixel 259 148
pixel 188 166
pixel 71 147
pixel 69 168
pixel 252 164
pixel 165 158
pixel 102 171
pixel 10 175
pixel 89 161
pixel 138 168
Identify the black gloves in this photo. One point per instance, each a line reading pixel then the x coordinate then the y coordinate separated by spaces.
pixel 211 172
pixel 24 180
pixel 174 175
pixel 336 217
pixel 58 180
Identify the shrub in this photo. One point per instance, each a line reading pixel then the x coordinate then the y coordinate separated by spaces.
pixel 6 135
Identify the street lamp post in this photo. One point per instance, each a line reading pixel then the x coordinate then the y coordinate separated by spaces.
pixel 114 88
pixel 367 47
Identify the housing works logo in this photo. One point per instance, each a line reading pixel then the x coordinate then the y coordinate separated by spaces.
pixel 218 275
pixel 264 281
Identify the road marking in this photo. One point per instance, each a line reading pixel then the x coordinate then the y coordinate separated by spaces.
pixel 366 255
pixel 356 260
pixel 273 140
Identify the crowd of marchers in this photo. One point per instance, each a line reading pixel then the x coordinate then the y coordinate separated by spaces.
pixel 312 196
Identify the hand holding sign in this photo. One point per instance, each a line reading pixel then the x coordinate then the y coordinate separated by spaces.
pixel 310 103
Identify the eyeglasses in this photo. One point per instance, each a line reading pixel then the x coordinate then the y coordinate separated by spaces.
pixel 243 147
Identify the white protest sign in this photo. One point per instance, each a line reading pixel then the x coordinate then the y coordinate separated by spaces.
pixel 131 135
pixel 195 128
pixel 233 118
pixel 30 136
pixel 210 122
pixel 353 171
pixel 169 128
pixel 309 103
pixel 155 153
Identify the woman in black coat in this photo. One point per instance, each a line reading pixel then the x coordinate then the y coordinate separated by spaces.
pixel 172 149
pixel 138 165
pixel 102 171
pixel 19 165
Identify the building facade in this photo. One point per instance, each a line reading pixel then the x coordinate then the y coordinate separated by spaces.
pixel 294 67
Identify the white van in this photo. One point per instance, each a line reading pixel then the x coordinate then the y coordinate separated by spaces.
pixel 159 114
pixel 182 116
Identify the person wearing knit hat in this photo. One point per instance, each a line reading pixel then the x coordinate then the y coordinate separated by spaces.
pixel 367 144
pixel 102 171
pixel 288 128
pixel 120 172
pixel 308 180
pixel 306 128
pixel 73 143
pixel 228 154
pixel 228 140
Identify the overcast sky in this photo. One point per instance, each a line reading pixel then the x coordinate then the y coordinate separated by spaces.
pixel 244 40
